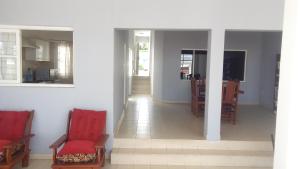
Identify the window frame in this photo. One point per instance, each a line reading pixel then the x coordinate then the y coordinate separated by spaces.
pixel 182 61
pixel 18 56
pixel 245 61
pixel 205 49
pixel 18 82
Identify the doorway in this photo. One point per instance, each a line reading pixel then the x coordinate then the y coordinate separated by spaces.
pixel 141 80
pixel 142 45
pixel 165 114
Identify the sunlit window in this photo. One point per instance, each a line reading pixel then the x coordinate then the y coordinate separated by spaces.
pixel 64 60
pixel 186 63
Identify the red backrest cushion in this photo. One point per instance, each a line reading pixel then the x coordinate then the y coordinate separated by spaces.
pixel 13 124
pixel 87 124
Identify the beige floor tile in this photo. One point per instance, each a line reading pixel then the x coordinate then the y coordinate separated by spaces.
pixel 46 164
pixel 126 151
pixel 143 143
pixel 125 167
pixel 177 167
pixel 37 164
pixel 146 118
pixel 157 143
pixel 142 167
pixel 125 143
pixel 158 167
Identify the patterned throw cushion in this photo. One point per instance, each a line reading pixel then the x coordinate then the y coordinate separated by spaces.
pixel 77 151
pixel 15 149
pixel 76 158
pixel 1 156
pixel 3 143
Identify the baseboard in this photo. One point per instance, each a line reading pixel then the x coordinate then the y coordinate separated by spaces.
pixel 41 156
pixel 171 101
pixel 120 122
pixel 176 102
pixel 121 119
pixel 188 102
pixel 249 104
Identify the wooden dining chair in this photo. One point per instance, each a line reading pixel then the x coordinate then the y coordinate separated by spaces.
pixel 198 97
pixel 230 100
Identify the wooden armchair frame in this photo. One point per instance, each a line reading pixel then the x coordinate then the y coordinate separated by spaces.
pixel 100 152
pixel 198 97
pixel 22 155
pixel 230 101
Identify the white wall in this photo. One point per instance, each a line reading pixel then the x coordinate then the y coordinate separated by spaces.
pixel 158 64
pixel 131 49
pixel 93 22
pixel 93 65
pixel 152 41
pixel 120 75
pixel 252 42
pixel 199 14
pixel 174 41
pixel 271 47
pixel 287 119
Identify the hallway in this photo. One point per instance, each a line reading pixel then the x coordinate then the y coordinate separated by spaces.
pixel 150 119
pixel 141 85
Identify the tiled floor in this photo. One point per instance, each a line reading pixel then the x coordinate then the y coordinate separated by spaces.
pixel 146 118
pixel 46 164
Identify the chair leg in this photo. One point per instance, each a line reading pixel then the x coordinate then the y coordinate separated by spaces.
pixel 234 117
pixel 202 110
pixel 194 107
pixel 103 156
pixel 234 114
pixel 198 108
pixel 25 160
pixel 103 163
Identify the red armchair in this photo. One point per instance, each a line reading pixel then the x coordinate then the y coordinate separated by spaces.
pixel 84 141
pixel 15 134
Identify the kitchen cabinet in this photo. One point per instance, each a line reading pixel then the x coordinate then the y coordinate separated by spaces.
pixel 42 52
pixel 37 50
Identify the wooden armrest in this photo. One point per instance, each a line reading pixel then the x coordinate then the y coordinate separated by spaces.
pixel 101 141
pixel 59 142
pixel 18 141
pixel 27 137
pixel 11 145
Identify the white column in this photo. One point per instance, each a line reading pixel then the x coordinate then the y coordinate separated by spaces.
pixel 214 75
pixel 287 140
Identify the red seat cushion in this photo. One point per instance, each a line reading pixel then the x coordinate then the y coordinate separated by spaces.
pixel 87 125
pixel 12 124
pixel 78 147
